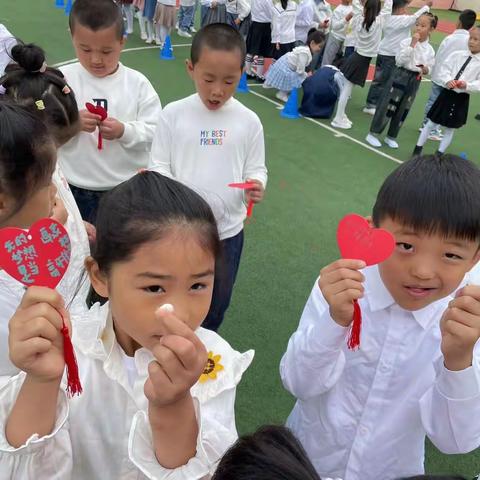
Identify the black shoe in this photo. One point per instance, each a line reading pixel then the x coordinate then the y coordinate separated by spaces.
pixel 417 151
pixel 477 116
pixel 251 76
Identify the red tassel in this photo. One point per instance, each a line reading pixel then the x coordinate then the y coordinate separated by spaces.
pixel 74 387
pixel 250 208
pixel 354 338
pixel 100 141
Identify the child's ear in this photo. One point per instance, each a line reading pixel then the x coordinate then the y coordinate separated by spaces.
pixel 5 206
pixel 98 279
pixel 189 66
pixel 369 219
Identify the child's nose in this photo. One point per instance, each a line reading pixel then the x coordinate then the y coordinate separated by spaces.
pixel 423 270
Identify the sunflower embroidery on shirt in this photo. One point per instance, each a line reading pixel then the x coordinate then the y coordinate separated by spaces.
pixel 212 366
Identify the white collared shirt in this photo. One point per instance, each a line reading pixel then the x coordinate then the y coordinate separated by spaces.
pixel 363 415
pixel 410 57
pixel 338 23
pixel 283 23
pixel 452 65
pixel 262 11
pixel 299 58
pixel 458 40
pixel 104 433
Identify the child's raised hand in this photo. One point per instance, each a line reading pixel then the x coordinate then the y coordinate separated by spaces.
pixel 415 39
pixel 180 358
pixel 111 129
pixel 461 84
pixel 35 339
pixel 349 17
pixel 89 121
pixel 460 327
pixel 341 283
pixel 256 193
pixel 452 84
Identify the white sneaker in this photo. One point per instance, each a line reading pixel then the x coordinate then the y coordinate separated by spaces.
pixel 341 123
pixel 143 36
pixel 347 120
pixel 158 41
pixel 391 142
pixel 183 33
pixel 282 96
pixel 436 135
pixel 129 31
pixel 149 40
pixel 369 110
pixel 193 30
pixel 373 140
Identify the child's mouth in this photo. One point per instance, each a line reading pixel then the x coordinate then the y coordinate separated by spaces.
pixel 419 292
pixel 214 103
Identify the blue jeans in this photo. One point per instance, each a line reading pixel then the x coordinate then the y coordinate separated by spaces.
pixel 434 93
pixel 348 51
pixel 185 18
pixel 87 201
pixel 225 275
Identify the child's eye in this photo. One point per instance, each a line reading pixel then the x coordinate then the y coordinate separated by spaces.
pixel 208 81
pixel 198 286
pixel 154 289
pixel 229 83
pixel 453 256
pixel 106 53
pixel 406 247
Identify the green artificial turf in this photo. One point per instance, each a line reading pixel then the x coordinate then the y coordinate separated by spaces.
pixel 314 179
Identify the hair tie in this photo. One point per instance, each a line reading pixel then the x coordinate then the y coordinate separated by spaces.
pixel 66 90
pixel 40 105
pixel 42 69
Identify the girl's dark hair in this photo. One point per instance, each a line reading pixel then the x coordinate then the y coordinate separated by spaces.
pixel 315 36
pixel 397 4
pixel 27 153
pixel 433 19
pixel 284 4
pixel 146 208
pixel 434 195
pixel 272 452
pixel 371 11
pixel 26 84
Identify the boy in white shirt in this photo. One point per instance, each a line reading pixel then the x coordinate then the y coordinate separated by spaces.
pixel 364 414
pixel 209 140
pixel 458 40
pixel 128 97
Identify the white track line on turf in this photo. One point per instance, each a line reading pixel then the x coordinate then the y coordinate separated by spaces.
pixel 337 133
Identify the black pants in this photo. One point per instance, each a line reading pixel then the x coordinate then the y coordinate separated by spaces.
pixel 87 201
pixel 383 70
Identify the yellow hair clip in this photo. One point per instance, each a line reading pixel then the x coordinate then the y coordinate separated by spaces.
pixel 40 105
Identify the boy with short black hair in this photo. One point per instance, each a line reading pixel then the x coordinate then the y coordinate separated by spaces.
pixel 128 97
pixel 209 140
pixel 364 414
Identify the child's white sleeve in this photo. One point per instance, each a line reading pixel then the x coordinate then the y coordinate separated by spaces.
pixel 430 61
pixel 446 69
pixel 275 26
pixel 357 8
pixel 138 134
pixel 338 23
pixel 387 8
pixel 243 9
pixel 451 407
pixel 255 162
pixel 161 156
pixel 302 61
pixel 314 360
pixel 405 54
pixel 41 458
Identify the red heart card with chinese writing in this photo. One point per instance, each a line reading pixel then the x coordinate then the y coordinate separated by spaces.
pixel 37 257
pixel 97 110
pixel 358 240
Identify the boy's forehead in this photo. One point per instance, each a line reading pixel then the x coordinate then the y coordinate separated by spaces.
pixel 104 35
pixel 210 56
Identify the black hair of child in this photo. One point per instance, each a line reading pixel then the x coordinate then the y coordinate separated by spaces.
pixel 272 452
pixel 315 36
pixel 146 208
pixel 467 19
pixel 433 194
pixel 218 36
pixel 27 153
pixel 97 15
pixel 433 19
pixel 372 9
pixel 26 83
pixel 398 4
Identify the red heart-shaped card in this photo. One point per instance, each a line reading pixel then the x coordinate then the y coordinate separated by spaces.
pixel 358 240
pixel 97 110
pixel 37 257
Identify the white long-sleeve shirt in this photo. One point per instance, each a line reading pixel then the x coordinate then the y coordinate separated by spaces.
pixel 306 18
pixel 396 29
pixel 262 11
pixel 105 433
pixel 458 40
pixel 368 42
pixel 339 25
pixel 452 65
pixel 409 58
pixel 207 150
pixel 238 7
pixel 299 58
pixel 283 23
pixel 131 99
pixel 7 41
pixel 364 414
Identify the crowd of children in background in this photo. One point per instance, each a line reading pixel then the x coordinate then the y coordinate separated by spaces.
pixel 157 236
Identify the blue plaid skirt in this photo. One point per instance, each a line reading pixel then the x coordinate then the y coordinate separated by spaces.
pixel 280 75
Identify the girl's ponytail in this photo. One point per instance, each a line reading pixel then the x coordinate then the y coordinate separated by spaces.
pixel 371 11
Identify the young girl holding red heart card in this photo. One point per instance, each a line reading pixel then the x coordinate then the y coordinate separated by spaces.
pixel 363 414
pixel 158 390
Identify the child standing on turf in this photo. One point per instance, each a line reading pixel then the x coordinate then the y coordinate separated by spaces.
pixel 158 391
pixel 460 76
pixel 289 72
pixel 369 20
pixel 283 27
pixel 364 414
pixel 209 140
pixel 397 29
pixel 128 97
pixel 458 40
pixel 308 17
pixel 165 18
pixel 414 59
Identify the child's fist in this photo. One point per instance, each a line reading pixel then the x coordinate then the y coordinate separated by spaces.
pixel 341 284
pixel 349 17
pixel 180 358
pixel 452 84
pixel 35 340
pixel 460 327
pixel 89 121
pixel 256 192
pixel 111 129
pixel 461 84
